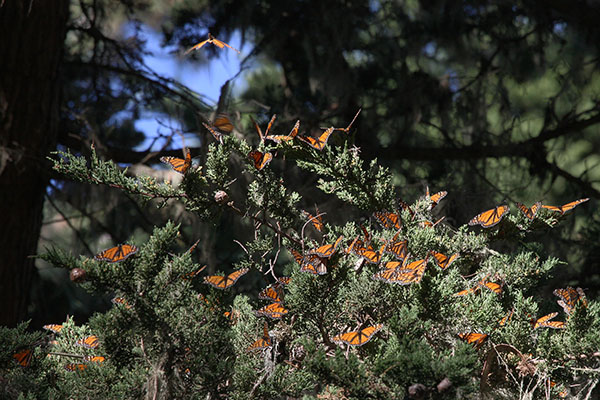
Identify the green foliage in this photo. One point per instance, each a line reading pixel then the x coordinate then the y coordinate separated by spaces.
pixel 172 339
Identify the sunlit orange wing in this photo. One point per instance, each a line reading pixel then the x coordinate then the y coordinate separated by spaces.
pixel 284 138
pixel 436 197
pixel 544 322
pixel 56 328
pixel 476 339
pixel 117 253
pixel 273 292
pixel 327 250
pixel 179 164
pixel 369 254
pixel 212 40
pixel 320 142
pixel 193 274
pixel 224 282
pixel 273 310
pixel 263 342
pixel 216 134
pixel 506 319
pixel 388 219
pixel 493 286
pixel 530 212
pixel 317 221
pixel 96 359
pixel 489 218
pixel 358 338
pixel 566 207
pixel 297 256
pixel 24 357
pixel 284 280
pixel 412 273
pixel 260 159
pixel 314 264
pixel 259 131
pixel 223 123
pixel 442 260
pixel 569 297
pixel 90 342
pixel 398 248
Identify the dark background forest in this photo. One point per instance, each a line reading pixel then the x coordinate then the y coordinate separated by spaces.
pixel 492 101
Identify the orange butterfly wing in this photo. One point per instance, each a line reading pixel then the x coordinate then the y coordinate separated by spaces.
pixel 442 260
pixel 569 297
pixel 489 218
pixel 217 135
pixel 56 328
pixel 388 219
pixel 317 221
pixel 413 273
pixel 117 253
pixel 75 367
pixel 90 342
pixel 24 357
pixel 284 138
pixel 566 207
pixel 121 301
pixel 371 255
pixel 436 198
pixel 347 129
pixel 358 338
pixel 263 342
pixel 398 248
pixel 179 164
pixel 284 280
pixel 273 310
pixel 224 282
pixel 273 292
pixel 260 159
pixel 314 264
pixel 193 274
pixel 223 123
pixel 544 322
pixel 506 318
pixel 320 142
pixel 327 250
pixel 493 286
pixel 530 213
pixel 97 359
pixel 476 339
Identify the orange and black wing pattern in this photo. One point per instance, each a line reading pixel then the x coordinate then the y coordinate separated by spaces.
pixel 388 219
pixel 314 264
pixel 285 138
pixel 216 134
pixel 96 359
pixel 260 159
pixel 179 164
pixel 117 253
pixel 223 123
pixel 284 280
pixel 264 342
pixel 493 286
pixel 529 212
pixel 476 339
pixel 212 40
pixel 443 261
pixel 566 207
pixel 569 298
pixel 24 357
pixel 412 273
pixel 224 282
pixel 358 338
pixel 273 292
pixel 327 250
pixel 260 132
pixel 320 142
pixel 347 129
pixel 436 198
pixel 369 254
pixel 489 218
pixel 398 248
pixel 316 221
pixel 191 275
pixel 274 310
pixel 72 367
pixel 56 328
pixel 90 342
pixel 121 301
pixel 545 322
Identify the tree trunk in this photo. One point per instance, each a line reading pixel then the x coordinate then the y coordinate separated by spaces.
pixel 32 35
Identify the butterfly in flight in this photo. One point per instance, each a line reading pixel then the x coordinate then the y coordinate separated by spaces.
pixel 320 142
pixel 260 132
pixel 489 218
pixel 212 40
pixel 24 357
pixel 179 164
pixel 224 282
pixel 90 342
pixel 442 260
pixel 223 123
pixel 569 298
pixel 566 207
pixel 435 198
pixel 347 129
pixel 545 322
pixel 476 339
pixel 263 342
pixel 529 212
pixel 56 328
pixel 358 338
pixel 117 253
pixel 216 134
pixel 274 310
pixel 260 159
pixel 285 138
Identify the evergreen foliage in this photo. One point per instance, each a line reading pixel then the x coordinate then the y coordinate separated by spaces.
pixel 175 337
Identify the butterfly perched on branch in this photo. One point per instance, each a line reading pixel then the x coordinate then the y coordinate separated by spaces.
pixel 358 338
pixel 117 253
pixel 489 218
pixel 529 212
pixel 224 282
pixel 179 164
pixel 264 342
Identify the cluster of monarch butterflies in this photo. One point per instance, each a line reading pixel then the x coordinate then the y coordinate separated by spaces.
pixel 24 357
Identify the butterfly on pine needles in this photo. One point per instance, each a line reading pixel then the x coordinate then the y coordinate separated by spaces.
pixel 358 338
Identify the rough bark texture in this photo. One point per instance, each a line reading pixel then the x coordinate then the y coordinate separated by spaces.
pixel 32 35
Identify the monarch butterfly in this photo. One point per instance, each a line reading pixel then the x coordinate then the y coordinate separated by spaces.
pixel 191 275
pixel 117 253
pixel 260 159
pixel 273 310
pixel 224 282
pixel 544 322
pixel 90 342
pixel 429 224
pixel 397 248
pixel 297 256
pixel 569 298
pixel 97 359
pixel 530 213
pixel 212 40
pixel 388 219
pixel 326 250
pixel 442 260
pixel 121 301
pixel 320 142
pixel 314 264
pixel 179 164
pixel 347 129
pixel 390 270
pixel 489 218
pixel 413 273
pixel 273 292
pixel 217 135
pixel 75 367
pixel 566 207
pixel 24 357
pixel 435 198
pixel 284 138
pixel 316 221
pixel 284 280
pixel 56 328
pixel 358 338
pixel 260 133
pixel 263 342
pixel 476 339
pixel 506 319
pixel 493 286
pixel 223 123
pixel 369 254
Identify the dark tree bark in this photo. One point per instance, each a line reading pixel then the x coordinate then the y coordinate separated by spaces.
pixel 32 35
